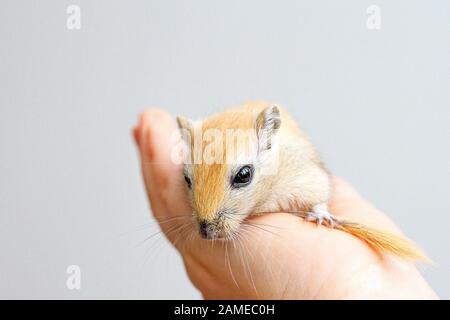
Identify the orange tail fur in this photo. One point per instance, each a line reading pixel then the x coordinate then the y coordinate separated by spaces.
pixel 382 241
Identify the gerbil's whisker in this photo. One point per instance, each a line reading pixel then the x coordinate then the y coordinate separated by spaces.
pixel 139 228
pixel 168 233
pixel 176 228
pixel 227 256
pixel 181 232
pixel 245 262
pixel 173 218
pixel 148 238
pixel 152 224
pixel 264 225
pixel 191 239
pixel 259 228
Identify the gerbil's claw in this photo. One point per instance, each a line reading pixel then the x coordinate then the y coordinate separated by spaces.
pixel 330 221
pixel 321 217
pixel 319 221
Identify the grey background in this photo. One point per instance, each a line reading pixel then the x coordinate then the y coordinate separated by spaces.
pixel 376 103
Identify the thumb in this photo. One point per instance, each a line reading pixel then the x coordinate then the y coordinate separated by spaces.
pixel 157 137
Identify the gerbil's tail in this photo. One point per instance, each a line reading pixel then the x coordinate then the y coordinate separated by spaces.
pixel 382 241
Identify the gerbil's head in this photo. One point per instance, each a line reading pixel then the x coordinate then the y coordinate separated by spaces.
pixel 224 165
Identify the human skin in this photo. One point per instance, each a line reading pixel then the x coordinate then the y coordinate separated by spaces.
pixel 275 256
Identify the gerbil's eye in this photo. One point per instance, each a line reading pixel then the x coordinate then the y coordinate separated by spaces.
pixel 243 177
pixel 188 181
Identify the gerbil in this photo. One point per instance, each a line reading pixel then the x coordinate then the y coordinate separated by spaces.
pixel 254 159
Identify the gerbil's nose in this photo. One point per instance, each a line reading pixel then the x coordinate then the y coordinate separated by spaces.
pixel 203 229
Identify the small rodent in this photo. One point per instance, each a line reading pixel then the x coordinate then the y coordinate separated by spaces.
pixel 254 159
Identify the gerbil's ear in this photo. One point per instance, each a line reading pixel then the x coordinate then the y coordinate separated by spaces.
pixel 185 125
pixel 267 124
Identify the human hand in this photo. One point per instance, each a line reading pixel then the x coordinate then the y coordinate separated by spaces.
pixel 276 256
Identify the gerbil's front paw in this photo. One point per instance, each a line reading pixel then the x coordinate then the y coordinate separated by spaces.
pixel 321 217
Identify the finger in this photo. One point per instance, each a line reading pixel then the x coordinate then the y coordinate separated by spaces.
pixel 157 136
pixel 158 126
pixel 157 129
